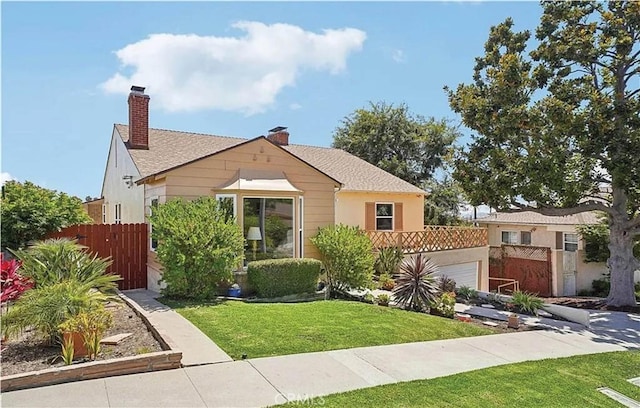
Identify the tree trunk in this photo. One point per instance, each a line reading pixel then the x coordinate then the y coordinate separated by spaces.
pixel 622 264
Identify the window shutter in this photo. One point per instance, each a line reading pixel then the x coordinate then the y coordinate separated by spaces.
pixel 397 216
pixel 369 216
pixel 559 240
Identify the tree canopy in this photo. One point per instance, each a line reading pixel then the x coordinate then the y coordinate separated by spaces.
pixel 558 128
pixel 29 212
pixel 408 146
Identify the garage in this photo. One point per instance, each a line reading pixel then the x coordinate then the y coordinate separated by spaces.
pixel 465 274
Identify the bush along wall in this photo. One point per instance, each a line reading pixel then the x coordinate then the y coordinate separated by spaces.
pixel 281 277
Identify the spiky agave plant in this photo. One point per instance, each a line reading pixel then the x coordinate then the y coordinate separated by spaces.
pixel 416 287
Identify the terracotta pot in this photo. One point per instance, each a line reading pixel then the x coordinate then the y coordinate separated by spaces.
pixel 79 349
pixel 514 321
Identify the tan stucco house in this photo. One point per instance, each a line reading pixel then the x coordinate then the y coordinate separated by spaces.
pixel 285 190
pixel 569 272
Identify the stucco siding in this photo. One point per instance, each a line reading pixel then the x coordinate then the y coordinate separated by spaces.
pixel 115 189
pixel 350 208
pixel 206 176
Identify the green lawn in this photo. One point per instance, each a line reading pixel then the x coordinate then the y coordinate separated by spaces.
pixel 271 329
pixel 564 382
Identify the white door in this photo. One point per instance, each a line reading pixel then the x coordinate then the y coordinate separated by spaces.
pixel 569 260
pixel 465 274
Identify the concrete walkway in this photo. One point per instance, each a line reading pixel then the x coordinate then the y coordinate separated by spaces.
pixel 178 332
pixel 273 380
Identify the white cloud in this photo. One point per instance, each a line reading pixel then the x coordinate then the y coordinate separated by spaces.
pixel 398 55
pixel 244 73
pixel 4 177
pixel 295 106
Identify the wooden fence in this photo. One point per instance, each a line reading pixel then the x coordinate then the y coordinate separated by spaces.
pixel 530 266
pixel 431 239
pixel 125 244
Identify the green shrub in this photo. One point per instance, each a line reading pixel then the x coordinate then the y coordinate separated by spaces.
pixel 55 260
pixel 386 282
pixel 281 277
pixel 198 246
pixel 526 302
pixel 45 308
pixel 467 293
pixel 388 261
pixel 347 256
pixel 445 304
pixel 601 287
pixel 29 212
pixel 383 299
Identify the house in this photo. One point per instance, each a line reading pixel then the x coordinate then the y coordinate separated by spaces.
pixel 285 191
pixel 544 253
pixel 95 210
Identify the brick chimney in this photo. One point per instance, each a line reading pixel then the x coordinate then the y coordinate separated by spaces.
pixel 279 136
pixel 138 118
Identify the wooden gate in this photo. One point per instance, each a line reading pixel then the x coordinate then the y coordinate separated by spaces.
pixel 529 265
pixel 126 244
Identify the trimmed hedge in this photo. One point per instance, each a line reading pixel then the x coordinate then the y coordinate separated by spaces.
pixel 281 277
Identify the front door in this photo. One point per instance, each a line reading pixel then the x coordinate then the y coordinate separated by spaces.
pixel 569 263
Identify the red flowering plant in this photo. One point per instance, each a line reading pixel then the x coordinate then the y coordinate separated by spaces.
pixel 13 284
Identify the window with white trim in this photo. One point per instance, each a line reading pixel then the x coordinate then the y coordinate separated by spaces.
pixel 104 213
pixel 118 212
pixel 384 216
pixel 153 242
pixel 228 203
pixel 525 238
pixel 570 242
pixel 510 237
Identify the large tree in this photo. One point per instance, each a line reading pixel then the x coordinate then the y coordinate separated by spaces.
pixel 391 137
pixel 558 128
pixel 29 212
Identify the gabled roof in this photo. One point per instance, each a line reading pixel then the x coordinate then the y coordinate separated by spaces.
pixel 533 218
pixel 169 149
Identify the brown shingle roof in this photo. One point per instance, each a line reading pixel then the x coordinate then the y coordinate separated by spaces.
pixel 533 218
pixel 169 149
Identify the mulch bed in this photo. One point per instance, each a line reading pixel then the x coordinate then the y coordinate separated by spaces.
pixel 29 353
pixel 589 303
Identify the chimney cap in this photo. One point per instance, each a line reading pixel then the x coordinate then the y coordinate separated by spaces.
pixel 277 129
pixel 138 89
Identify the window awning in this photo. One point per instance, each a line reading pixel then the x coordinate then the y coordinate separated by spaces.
pixel 263 180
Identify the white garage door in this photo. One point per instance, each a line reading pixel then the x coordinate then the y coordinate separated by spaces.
pixel 465 274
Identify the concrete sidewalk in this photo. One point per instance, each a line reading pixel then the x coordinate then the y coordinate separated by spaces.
pixel 177 331
pixel 272 380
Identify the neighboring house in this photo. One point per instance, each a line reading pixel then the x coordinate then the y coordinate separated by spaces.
pixel 569 274
pixel 96 210
pixel 286 190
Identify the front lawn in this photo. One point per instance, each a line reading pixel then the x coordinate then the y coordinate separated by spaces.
pixel 271 329
pixel 564 382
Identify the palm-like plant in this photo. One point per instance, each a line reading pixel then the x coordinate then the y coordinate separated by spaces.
pixel 55 260
pixel 45 308
pixel 416 287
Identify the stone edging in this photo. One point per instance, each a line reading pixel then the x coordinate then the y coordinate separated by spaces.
pixel 161 360
pixel 168 359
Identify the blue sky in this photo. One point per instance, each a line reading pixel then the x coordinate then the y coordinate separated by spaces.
pixel 235 69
